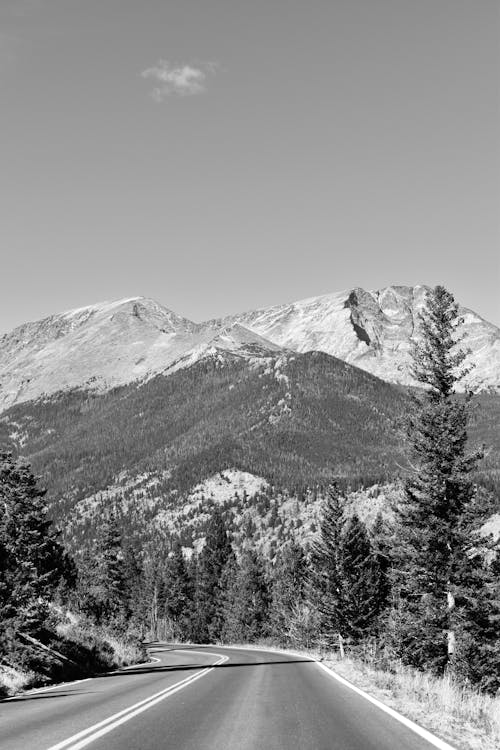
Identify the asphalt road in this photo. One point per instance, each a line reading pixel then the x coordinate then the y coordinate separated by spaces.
pixel 250 700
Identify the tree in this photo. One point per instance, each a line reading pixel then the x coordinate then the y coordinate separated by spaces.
pixel 440 581
pixel 210 565
pixel 287 589
pixel 178 604
pixel 32 561
pixel 348 584
pixel 246 600
pixel 103 585
pixel 325 582
pixel 133 576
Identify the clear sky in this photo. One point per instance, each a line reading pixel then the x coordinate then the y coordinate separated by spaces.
pixel 221 155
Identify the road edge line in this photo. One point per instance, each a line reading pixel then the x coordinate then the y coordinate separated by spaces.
pixel 424 733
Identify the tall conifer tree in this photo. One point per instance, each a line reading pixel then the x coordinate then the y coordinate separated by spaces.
pixel 246 600
pixel 346 581
pixel 178 593
pixel 210 565
pixel 441 592
pixel 287 590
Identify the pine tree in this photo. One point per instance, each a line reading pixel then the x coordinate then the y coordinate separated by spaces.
pixel 210 564
pixel 346 581
pixel 178 606
pixel 103 589
pixel 365 588
pixel 442 599
pixel 133 583
pixel 325 580
pixel 32 561
pixel 287 589
pixel 246 601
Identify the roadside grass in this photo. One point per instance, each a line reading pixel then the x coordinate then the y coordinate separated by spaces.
pixel 71 650
pixel 466 718
pixel 14 681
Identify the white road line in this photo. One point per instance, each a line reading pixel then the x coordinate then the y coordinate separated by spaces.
pixel 86 736
pixel 431 738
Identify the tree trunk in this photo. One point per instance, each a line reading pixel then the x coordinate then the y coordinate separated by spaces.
pixel 451 633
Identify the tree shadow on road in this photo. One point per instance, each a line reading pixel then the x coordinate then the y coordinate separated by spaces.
pixel 161 668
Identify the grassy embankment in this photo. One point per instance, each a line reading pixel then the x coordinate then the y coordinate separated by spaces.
pixel 71 650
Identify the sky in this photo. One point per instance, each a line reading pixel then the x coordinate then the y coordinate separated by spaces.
pixel 224 155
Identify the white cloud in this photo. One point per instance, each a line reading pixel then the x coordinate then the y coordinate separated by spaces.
pixel 180 80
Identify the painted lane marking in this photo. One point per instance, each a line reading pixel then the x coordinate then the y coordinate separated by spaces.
pixel 424 733
pixel 86 736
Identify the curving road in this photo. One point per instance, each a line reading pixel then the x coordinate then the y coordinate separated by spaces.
pixel 204 698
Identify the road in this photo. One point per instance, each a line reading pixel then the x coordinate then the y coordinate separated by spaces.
pixel 250 700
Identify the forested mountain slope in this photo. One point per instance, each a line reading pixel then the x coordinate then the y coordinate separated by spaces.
pixel 295 420
pixel 291 421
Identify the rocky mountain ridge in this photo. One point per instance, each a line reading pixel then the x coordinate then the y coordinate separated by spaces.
pixel 103 346
pixel 372 330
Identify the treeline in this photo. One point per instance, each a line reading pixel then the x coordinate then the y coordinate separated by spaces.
pixel 38 580
pixel 350 590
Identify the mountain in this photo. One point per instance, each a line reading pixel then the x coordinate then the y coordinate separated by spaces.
pixel 372 330
pixel 147 409
pixel 111 344
pixel 295 420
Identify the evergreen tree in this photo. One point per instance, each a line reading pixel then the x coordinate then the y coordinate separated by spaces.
pixel 325 580
pixel 246 601
pixel 287 590
pixel 364 584
pixel 382 544
pixel 346 582
pixel 32 562
pixel 443 607
pixel 103 589
pixel 133 583
pixel 179 592
pixel 208 593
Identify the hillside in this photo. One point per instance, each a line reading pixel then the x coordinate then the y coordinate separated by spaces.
pixel 279 424
pixel 294 420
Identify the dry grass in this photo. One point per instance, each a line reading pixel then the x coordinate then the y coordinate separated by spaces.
pixel 14 681
pixel 466 718
pixel 125 652
pixel 80 650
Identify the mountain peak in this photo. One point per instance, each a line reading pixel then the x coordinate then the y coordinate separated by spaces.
pixel 372 329
pixel 113 343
